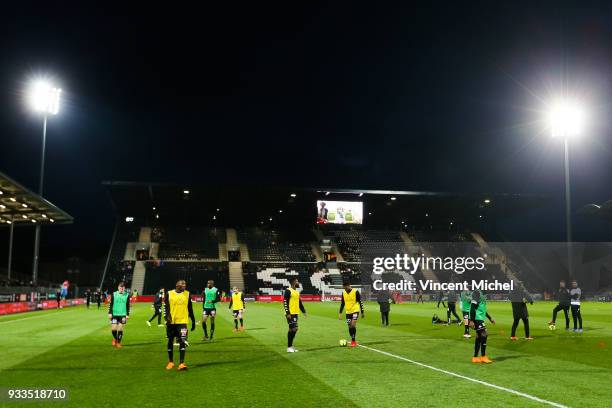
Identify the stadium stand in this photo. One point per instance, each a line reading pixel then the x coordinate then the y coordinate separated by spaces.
pixel 362 245
pixel 275 246
pixel 188 243
pixel 165 274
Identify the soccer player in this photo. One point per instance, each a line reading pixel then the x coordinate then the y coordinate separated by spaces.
pixel 478 312
pixel 88 297
pixel 384 304
pixel 441 299
pixel 118 313
pixel 451 307
pixel 98 298
pixel 563 296
pixel 575 295
pixel 210 296
pixel 351 298
pixel 237 305
pixel 466 300
pixel 420 296
pixel 178 310
pixel 157 307
pixel 293 306
pixel 519 311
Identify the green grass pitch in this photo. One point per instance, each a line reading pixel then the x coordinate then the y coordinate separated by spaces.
pixel 71 348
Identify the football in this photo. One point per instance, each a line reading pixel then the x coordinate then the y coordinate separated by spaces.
pixel 342 343
pixel 552 327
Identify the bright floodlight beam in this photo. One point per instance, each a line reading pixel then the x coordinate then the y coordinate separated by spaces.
pixel 44 97
pixel 566 119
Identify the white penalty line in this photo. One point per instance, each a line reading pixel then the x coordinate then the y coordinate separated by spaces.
pixel 509 390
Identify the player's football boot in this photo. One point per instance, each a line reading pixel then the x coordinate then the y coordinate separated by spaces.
pixel 467 336
pixel 486 360
pixel 291 350
pixel 353 344
pixel 241 328
pixel 528 338
pixel 114 342
pixel 204 338
pixel 476 360
pixel 181 367
pixel 551 323
pixel 118 345
pixel 148 323
pixel 514 338
pixel 234 330
pixel 170 365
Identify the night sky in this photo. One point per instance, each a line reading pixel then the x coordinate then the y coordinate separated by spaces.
pixel 447 98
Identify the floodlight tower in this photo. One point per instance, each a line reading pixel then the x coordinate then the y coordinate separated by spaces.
pixel 43 98
pixel 566 120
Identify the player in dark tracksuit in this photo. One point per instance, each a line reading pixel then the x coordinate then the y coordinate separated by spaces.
pixel 451 307
pixel 563 296
pixel 519 301
pixel 157 306
pixel 441 299
pixel 384 300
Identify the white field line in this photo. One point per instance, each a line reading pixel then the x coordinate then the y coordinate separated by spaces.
pixel 497 387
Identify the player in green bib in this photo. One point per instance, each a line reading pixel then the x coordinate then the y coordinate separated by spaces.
pixel 466 298
pixel 118 313
pixel 210 297
pixel 478 313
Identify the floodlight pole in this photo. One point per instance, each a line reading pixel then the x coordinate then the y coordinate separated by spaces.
pixel 40 191
pixel 10 254
pixel 568 213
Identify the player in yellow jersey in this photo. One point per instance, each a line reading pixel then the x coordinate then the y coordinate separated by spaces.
pixel 178 310
pixel 351 299
pixel 237 305
pixel 293 306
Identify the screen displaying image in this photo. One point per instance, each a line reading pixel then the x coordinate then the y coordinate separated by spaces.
pixel 339 212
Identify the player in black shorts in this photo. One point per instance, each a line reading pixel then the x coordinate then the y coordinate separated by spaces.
pixel 478 313
pixel 293 306
pixel 519 312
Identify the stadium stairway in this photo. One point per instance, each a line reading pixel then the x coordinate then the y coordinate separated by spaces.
pixel 339 257
pixel 138 278
pixel 223 252
pixel 144 235
pixel 235 275
pixel 244 253
pixel 316 251
pixel 410 246
pixel 231 238
pixel 498 257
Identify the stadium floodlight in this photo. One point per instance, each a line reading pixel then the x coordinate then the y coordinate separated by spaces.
pixel 44 97
pixel 393 198
pixel 293 195
pixel 565 119
pixel 186 191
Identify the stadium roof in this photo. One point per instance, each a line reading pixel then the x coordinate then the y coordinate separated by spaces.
pixel 235 205
pixel 20 205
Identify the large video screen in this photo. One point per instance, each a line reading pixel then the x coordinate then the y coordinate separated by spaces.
pixel 339 212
